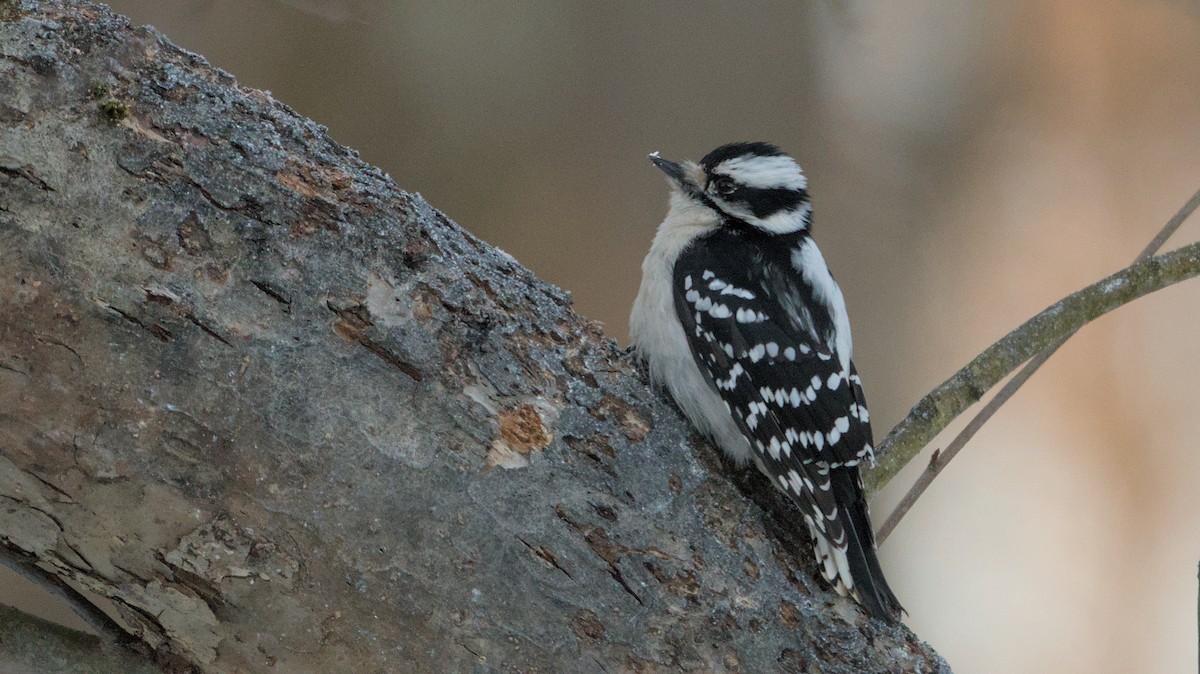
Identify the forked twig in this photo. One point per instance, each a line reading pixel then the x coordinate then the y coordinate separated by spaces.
pixel 933 413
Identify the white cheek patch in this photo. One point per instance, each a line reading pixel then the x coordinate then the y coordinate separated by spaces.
pixel 780 222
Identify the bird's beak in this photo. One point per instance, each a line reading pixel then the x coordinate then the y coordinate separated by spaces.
pixel 674 171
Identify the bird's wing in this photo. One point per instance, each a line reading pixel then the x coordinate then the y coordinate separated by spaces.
pixel 772 360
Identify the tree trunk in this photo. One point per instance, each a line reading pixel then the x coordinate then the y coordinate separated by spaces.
pixel 287 417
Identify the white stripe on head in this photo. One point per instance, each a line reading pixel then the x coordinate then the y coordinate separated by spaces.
pixel 780 222
pixel 781 172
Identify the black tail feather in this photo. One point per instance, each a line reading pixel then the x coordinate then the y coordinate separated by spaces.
pixel 870 586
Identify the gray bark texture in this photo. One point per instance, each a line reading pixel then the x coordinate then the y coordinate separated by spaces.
pixel 286 417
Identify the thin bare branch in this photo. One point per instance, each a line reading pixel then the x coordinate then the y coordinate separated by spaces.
pixel 1168 229
pixel 968 385
pixel 941 459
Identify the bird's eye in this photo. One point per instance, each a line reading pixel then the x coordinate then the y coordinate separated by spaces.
pixel 724 186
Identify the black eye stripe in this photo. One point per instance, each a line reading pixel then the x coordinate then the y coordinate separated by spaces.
pixel 762 202
pixel 765 202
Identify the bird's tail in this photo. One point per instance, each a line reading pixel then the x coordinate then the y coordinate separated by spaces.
pixel 853 568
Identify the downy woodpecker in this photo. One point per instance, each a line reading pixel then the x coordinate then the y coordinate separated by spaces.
pixel 741 321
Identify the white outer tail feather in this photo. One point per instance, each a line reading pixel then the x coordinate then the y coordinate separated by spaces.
pixel 835 566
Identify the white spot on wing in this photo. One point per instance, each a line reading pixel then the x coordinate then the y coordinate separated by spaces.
pixel 750 316
pixel 794 481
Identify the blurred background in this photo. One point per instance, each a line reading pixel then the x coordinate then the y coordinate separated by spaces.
pixel 970 164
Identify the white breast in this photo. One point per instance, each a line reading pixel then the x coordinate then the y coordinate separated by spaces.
pixel 658 337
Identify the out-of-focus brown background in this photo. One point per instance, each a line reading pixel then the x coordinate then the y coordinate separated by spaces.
pixel 970 163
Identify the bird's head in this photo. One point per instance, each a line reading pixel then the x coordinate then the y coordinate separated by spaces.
pixel 753 184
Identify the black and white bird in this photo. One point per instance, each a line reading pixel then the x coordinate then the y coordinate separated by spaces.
pixel 741 321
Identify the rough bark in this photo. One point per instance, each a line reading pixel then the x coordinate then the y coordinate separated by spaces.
pixel 288 417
